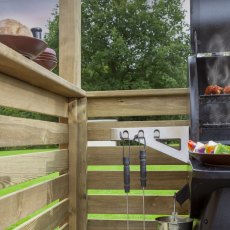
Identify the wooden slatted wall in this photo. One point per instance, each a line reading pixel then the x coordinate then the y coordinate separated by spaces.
pixel 105 177
pixel 15 169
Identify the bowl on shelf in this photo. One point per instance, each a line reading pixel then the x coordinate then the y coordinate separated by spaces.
pixel 27 46
pixel 47 59
pixel 46 63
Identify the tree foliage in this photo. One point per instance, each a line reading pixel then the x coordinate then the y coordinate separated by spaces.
pixel 131 44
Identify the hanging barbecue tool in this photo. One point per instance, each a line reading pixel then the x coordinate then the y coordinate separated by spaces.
pixel 126 162
pixel 143 173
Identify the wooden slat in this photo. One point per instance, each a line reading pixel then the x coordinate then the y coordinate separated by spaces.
pixel 21 95
pixel 20 168
pixel 139 93
pixel 117 205
pixel 50 219
pixel 156 180
pixel 120 225
pixel 101 131
pixel 113 156
pixel 17 66
pixel 20 132
pixel 158 104
pixel 18 205
pixel 70 41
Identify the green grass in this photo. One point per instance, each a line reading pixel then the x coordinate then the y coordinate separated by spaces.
pixel 92 192
pixel 23 151
pixel 27 184
pixel 32 215
pixel 150 168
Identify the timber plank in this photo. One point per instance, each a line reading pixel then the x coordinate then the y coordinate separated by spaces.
pixel 117 205
pixel 120 225
pixel 18 205
pixel 20 95
pixel 15 65
pixel 19 168
pixel 78 164
pixel 113 156
pixel 158 180
pixel 70 41
pixel 21 132
pixel 50 219
pixel 139 93
pixel 138 106
pixel 101 131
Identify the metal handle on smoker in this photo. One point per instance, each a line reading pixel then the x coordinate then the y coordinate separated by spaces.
pixel 143 172
pixel 126 163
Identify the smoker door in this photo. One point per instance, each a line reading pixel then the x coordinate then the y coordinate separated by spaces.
pixel 210 26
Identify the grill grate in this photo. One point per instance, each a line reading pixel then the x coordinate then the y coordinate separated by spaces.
pixel 220 125
pixel 217 99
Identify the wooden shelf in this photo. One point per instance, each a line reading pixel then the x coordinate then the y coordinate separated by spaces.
pixel 15 65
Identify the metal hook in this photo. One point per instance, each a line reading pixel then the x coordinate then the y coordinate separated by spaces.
pixel 140 135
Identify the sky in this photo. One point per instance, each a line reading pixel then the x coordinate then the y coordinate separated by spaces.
pixel 35 13
pixel 32 13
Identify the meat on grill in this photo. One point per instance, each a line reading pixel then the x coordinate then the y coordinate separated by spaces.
pixel 227 89
pixel 213 89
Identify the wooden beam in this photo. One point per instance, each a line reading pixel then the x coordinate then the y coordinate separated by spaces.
pixel 113 156
pixel 101 130
pixel 120 225
pixel 150 105
pixel 156 205
pixel 20 95
pixel 70 41
pixel 157 180
pixel 20 132
pixel 137 93
pixel 78 164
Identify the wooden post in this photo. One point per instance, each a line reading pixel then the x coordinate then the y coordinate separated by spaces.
pixel 78 164
pixel 70 41
pixel 70 70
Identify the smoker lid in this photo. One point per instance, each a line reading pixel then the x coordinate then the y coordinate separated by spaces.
pixel 210 26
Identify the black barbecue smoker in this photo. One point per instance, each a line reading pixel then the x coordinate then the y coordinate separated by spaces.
pixel 209 185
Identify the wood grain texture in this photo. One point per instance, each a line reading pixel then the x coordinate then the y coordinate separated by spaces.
pixel 21 132
pixel 117 205
pixel 113 156
pixel 139 93
pixel 20 95
pixel 155 180
pixel 14 64
pixel 101 130
pixel 78 164
pixel 24 202
pixel 19 168
pixel 64 227
pixel 70 41
pixel 73 170
pixel 82 165
pixel 120 225
pixel 50 219
pixel 170 104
